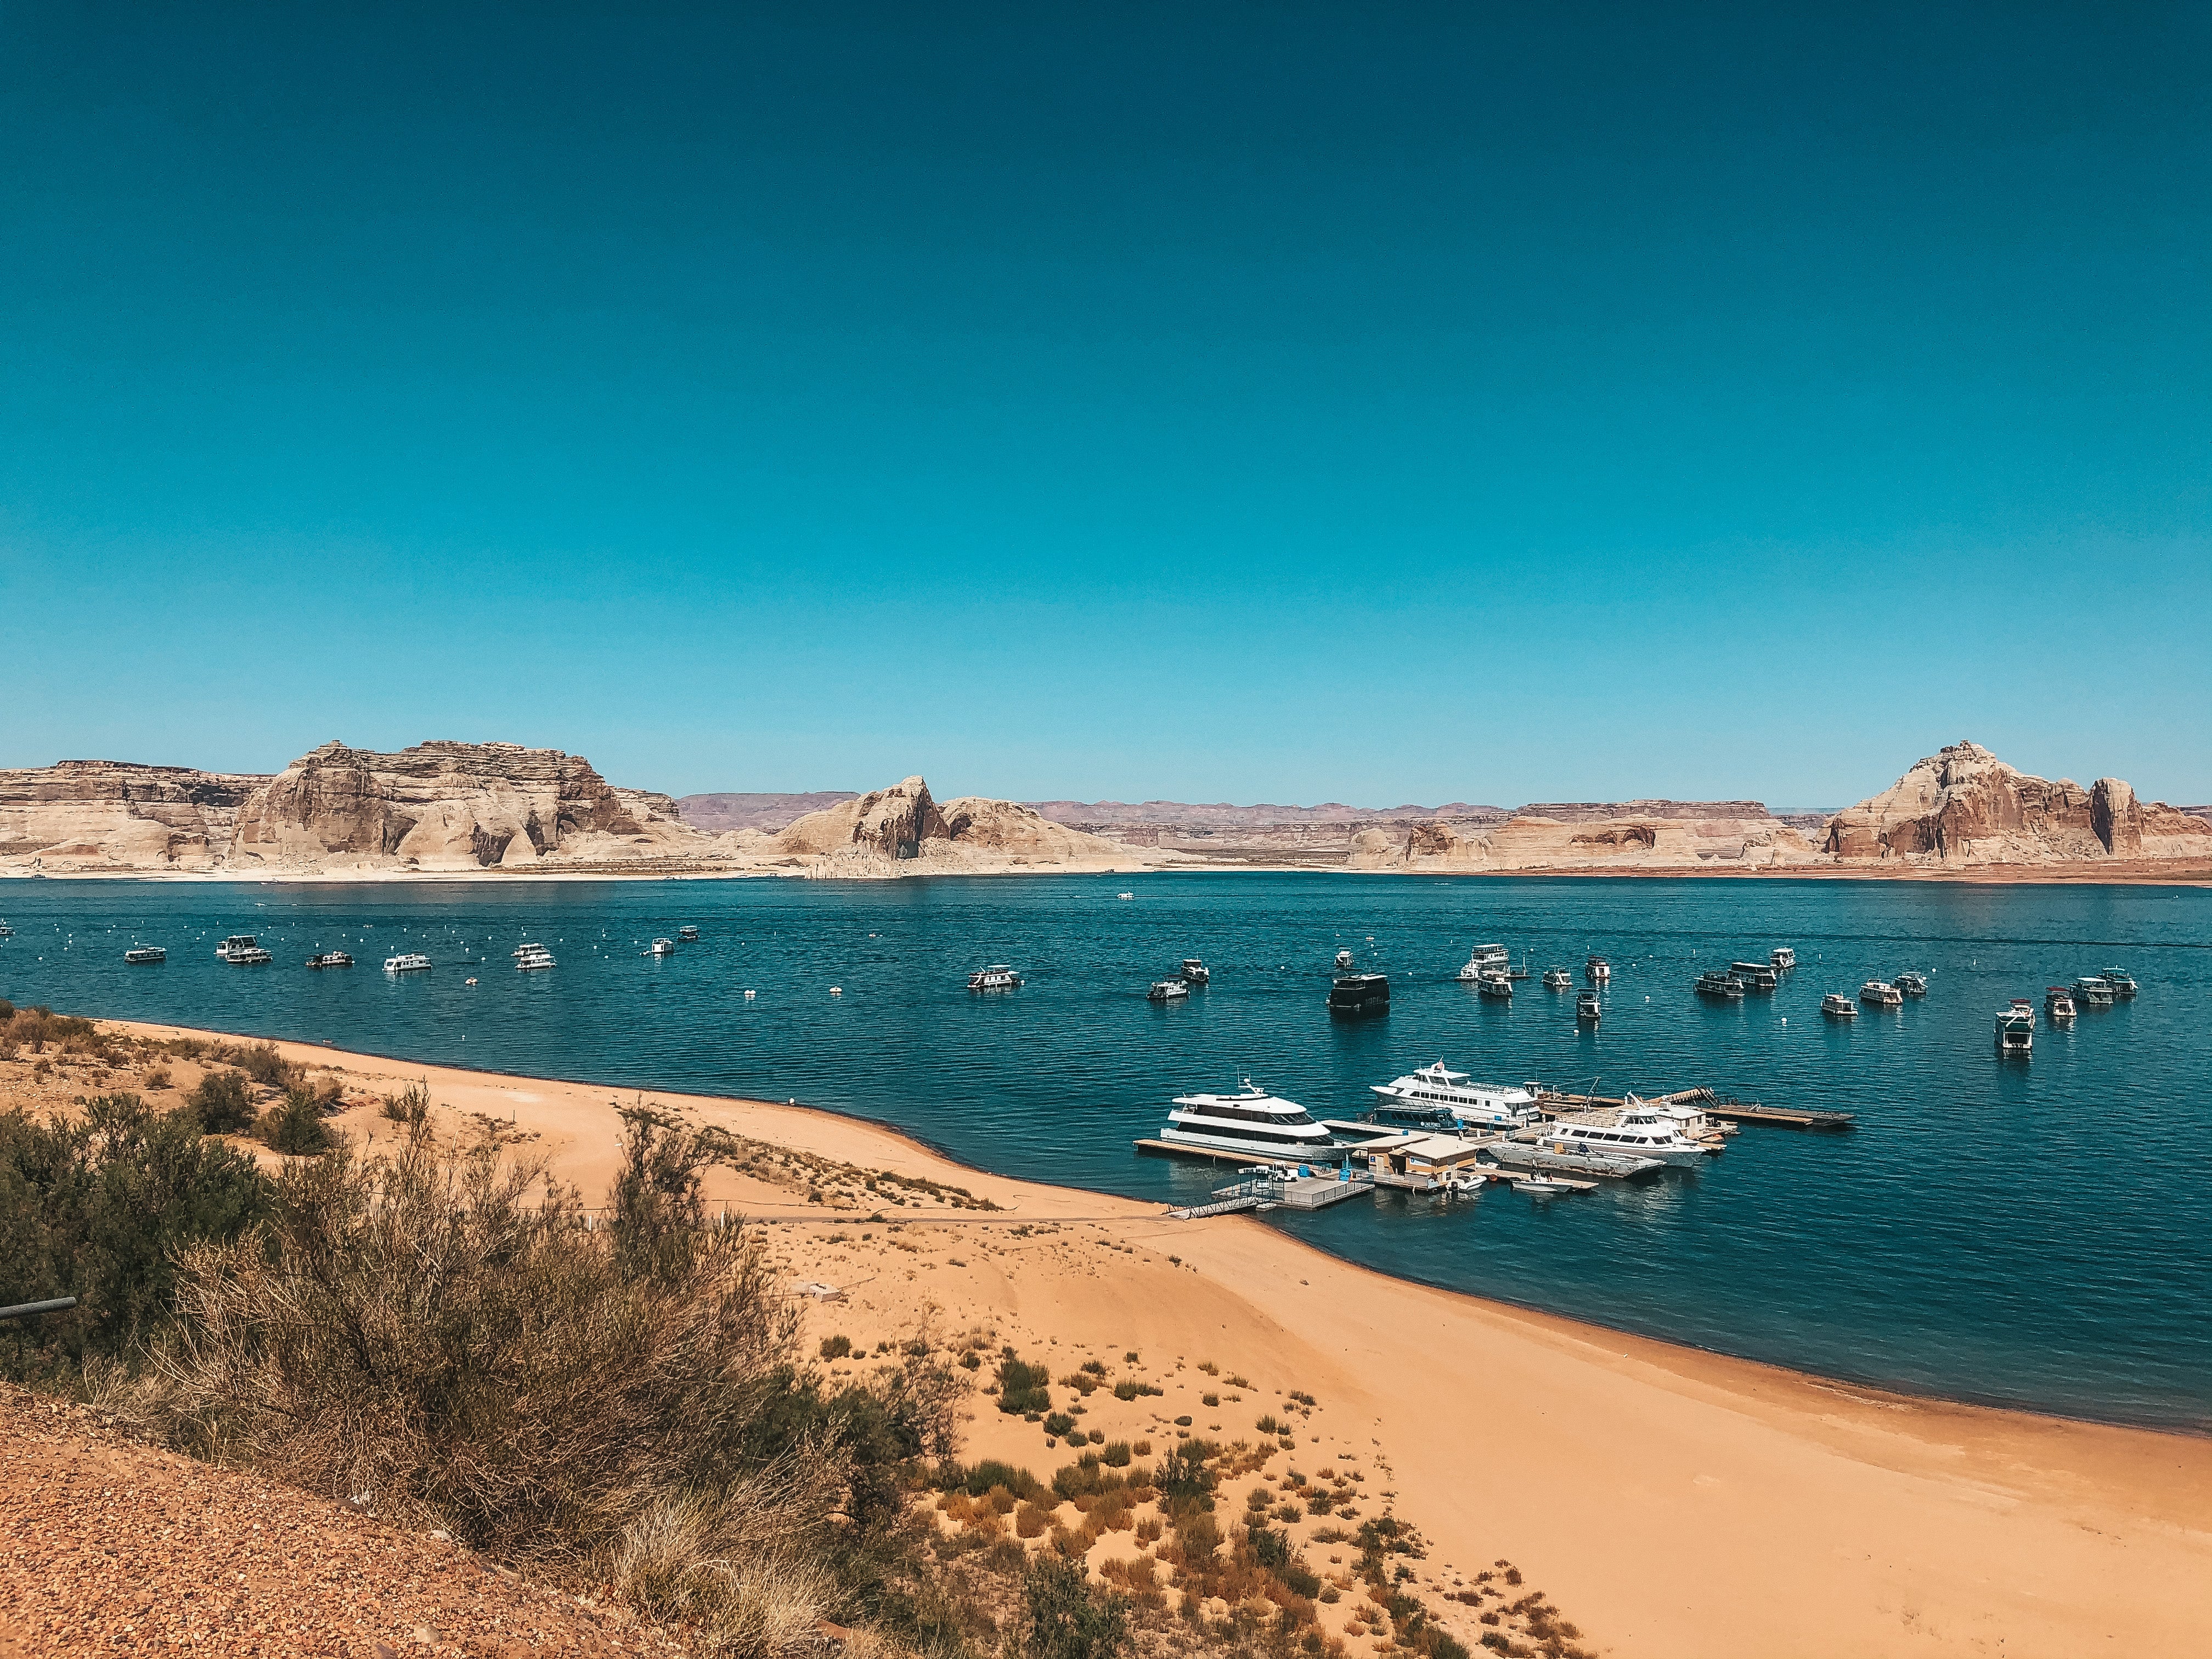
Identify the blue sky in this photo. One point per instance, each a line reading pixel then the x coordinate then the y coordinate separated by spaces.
pixel 1264 403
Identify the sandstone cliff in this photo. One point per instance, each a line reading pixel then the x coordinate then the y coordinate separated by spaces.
pixel 103 814
pixel 1962 805
pixel 904 830
pixel 719 813
pixel 1600 837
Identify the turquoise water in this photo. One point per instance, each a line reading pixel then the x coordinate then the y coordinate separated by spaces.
pixel 2028 1233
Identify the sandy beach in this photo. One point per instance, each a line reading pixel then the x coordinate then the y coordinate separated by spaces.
pixel 1670 1502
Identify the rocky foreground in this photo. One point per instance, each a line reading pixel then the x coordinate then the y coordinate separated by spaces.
pixel 466 809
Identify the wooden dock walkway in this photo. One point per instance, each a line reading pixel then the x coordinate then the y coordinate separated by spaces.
pixel 1719 1106
pixel 1182 1149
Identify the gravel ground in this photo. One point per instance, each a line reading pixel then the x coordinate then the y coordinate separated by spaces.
pixel 109 1546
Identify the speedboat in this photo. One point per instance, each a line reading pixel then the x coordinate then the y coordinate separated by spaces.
pixel 1359 994
pixel 687 935
pixel 330 959
pixel 1637 1130
pixel 1597 970
pixel 661 947
pixel 2058 1004
pixel 1537 1186
pixel 1494 983
pixel 1343 960
pixel 1782 958
pixel 2093 989
pixel 2016 1027
pixel 2121 986
pixel 1881 994
pixel 1249 1120
pixel 139 954
pixel 1195 972
pixel 1587 1007
pixel 1483 1105
pixel 1485 959
pixel 412 962
pixel 1168 990
pixel 1912 984
pixel 997 977
pixel 1836 1006
pixel 1719 983
pixel 531 958
pixel 1557 979
pixel 242 949
pixel 1754 975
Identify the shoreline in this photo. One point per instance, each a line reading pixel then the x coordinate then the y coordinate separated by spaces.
pixel 1674 1500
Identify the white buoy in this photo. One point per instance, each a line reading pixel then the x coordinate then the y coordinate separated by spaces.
pixel 837 990
pixel 749 996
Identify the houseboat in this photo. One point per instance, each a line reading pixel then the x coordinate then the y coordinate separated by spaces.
pixel 2093 989
pixel 687 935
pixel 1195 972
pixel 410 962
pixel 1485 959
pixel 1168 990
pixel 1754 975
pixel 1782 958
pixel 997 977
pixel 532 959
pixel 330 959
pixel 1597 970
pixel 2016 1027
pixel 240 949
pixel 2058 1004
pixel 1881 994
pixel 1911 983
pixel 1494 983
pixel 1588 1010
pixel 139 955
pixel 1357 994
pixel 1719 983
pixel 661 947
pixel 2123 986
pixel 1557 979
pixel 1836 1006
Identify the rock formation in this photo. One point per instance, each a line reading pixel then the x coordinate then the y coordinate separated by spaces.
pixel 1962 805
pixel 90 815
pixel 717 814
pixel 1685 838
pixel 903 830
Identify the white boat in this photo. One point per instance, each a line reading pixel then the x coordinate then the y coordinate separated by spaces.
pixel 1719 983
pixel 1537 1186
pixel 687 935
pixel 1250 1121
pixel 411 962
pixel 1836 1006
pixel 1168 990
pixel 1123 896
pixel 1588 1010
pixel 1912 983
pixel 2123 986
pixel 1494 983
pixel 1881 994
pixel 1754 975
pixel 529 948
pixel 1597 970
pixel 1636 1130
pixel 1487 959
pixel 997 977
pixel 1343 959
pixel 1693 1123
pixel 2016 1027
pixel 1195 972
pixel 661 947
pixel 532 958
pixel 6 932
pixel 139 954
pixel 2058 1004
pixel 1782 958
pixel 330 959
pixel 242 948
pixel 1557 979
pixel 2093 989
pixel 1483 1105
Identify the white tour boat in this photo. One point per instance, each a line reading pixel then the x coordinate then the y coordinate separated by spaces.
pixel 410 961
pixel 1881 994
pixel 1637 1130
pixel 532 958
pixel 997 977
pixel 1484 1105
pixel 139 954
pixel 1782 958
pixel 242 948
pixel 2058 1004
pixel 1168 990
pixel 1195 972
pixel 1487 959
pixel 1250 1121
pixel 2016 1027
pixel 661 947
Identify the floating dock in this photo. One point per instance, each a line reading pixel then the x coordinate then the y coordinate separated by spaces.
pixel 1184 1149
pixel 1271 1191
pixel 1519 1155
pixel 1719 1106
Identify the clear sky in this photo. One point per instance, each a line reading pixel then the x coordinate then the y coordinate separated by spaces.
pixel 1260 401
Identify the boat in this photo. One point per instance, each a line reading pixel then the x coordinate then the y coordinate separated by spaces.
pixel 1343 960
pixel 411 962
pixel 242 949
pixel 1782 958
pixel 661 947
pixel 6 932
pixel 1486 958
pixel 687 935
pixel 1249 1120
pixel 1494 983
pixel 2121 986
pixel 1719 983
pixel 529 947
pixel 2016 1027
pixel 1168 990
pixel 1754 975
pixel 1836 1006
pixel 2093 989
pixel 1597 970
pixel 2058 1004
pixel 330 959
pixel 1123 896
pixel 1587 1008
pixel 139 955
pixel 1557 979
pixel 1637 1129
pixel 1881 994
pixel 1537 1186
pixel 1359 994
pixel 1195 972
pixel 1437 1088
pixel 1912 984
pixel 532 958
pixel 997 977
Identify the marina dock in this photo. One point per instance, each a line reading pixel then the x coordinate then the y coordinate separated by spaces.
pixel 1185 1149
pixel 1270 1192
pixel 1724 1107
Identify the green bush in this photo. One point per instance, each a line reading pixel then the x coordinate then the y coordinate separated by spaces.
pixel 296 1126
pixel 1021 1388
pixel 836 1347
pixel 1130 1389
pixel 981 1477
pixel 1060 1424
pixel 1063 1617
pixel 261 1062
pixel 1183 1473
pixel 220 1104
pixel 412 1105
pixel 1115 1455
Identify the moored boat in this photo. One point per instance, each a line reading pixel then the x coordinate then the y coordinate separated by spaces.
pixel 330 959
pixel 1719 983
pixel 2058 1004
pixel 661 947
pixel 996 977
pixel 1355 994
pixel 533 959
pixel 1587 1009
pixel 1438 1089
pixel 410 962
pixel 1637 1129
pixel 687 935
pixel 1881 994
pixel 139 955
pixel 1911 983
pixel 1557 979
pixel 2015 1027
pixel 1537 1186
pixel 1195 972
pixel 1597 970
pixel 242 949
pixel 1783 958
pixel 1248 1120
pixel 2093 989
pixel 2117 978
pixel 1168 990
pixel 1494 983
pixel 1836 1006
pixel 1754 975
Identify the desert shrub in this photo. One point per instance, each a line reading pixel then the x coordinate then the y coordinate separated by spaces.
pixel 1059 1424
pixel 95 1210
pixel 1022 1386
pixel 1064 1618
pixel 1268 1425
pixel 1114 1455
pixel 988 1475
pixel 219 1103
pixel 261 1062
pixel 1209 1400
pixel 836 1347
pixel 158 1077
pixel 411 1105
pixel 1082 1382
pixel 38 1028
pixel 1256 1498
pixel 1084 1478
pixel 295 1126
pixel 1097 1368
pixel 1209 1368
pixel 1183 1476
pixel 1130 1389
pixel 1030 1520
pixel 1303 1399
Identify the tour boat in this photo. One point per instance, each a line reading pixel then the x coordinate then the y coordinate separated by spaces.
pixel 1912 984
pixel 2118 979
pixel 1719 983
pixel 2093 989
pixel 528 947
pixel 1557 979
pixel 2016 1027
pixel 1483 1105
pixel 1195 972
pixel 1839 1006
pixel 1168 990
pixel 1493 983
pixel 1123 896
pixel 2059 1003
pixel 1587 1007
pixel 997 977
pixel 533 957
pixel 242 948
pixel 1597 970
pixel 687 935
pixel 140 954
pixel 1754 975
pixel 1249 1120
pixel 1359 994
pixel 330 959
pixel 661 947
pixel 1782 958
pixel 411 962
pixel 1485 959
pixel 1881 994
pixel 1637 1130
pixel 1343 959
